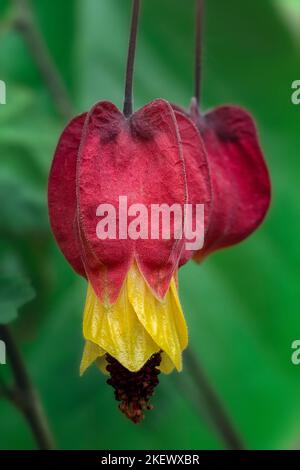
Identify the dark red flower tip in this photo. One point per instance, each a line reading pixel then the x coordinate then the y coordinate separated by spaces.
pixel 134 389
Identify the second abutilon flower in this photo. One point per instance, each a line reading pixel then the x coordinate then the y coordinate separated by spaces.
pixel 240 182
pixel 133 322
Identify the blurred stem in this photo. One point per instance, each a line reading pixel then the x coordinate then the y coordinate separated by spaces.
pixel 26 24
pixel 6 24
pixel 127 109
pixel 23 395
pixel 213 405
pixel 198 48
pixel 5 391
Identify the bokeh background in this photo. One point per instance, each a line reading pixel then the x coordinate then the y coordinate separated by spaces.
pixel 242 304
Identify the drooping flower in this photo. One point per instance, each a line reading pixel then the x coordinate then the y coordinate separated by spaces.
pixel 133 323
pixel 240 183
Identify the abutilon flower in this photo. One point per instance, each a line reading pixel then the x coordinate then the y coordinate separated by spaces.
pixel 240 180
pixel 133 322
pixel 240 183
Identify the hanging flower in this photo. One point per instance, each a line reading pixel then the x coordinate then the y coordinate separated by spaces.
pixel 133 323
pixel 241 189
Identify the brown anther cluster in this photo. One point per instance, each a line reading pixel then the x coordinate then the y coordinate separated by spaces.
pixel 134 389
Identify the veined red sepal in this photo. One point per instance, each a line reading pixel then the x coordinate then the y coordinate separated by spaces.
pixel 140 158
pixel 240 179
pixel 62 202
pixel 197 175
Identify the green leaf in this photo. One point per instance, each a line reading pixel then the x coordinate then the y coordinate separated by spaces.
pixel 14 293
pixel 23 210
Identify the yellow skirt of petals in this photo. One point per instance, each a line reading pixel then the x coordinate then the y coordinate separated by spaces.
pixel 135 327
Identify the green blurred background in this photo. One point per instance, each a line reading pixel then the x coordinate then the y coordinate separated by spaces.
pixel 242 304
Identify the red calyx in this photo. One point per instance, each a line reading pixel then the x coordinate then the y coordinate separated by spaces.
pixel 148 158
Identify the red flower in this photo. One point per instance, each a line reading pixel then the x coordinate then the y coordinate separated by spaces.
pixel 133 322
pixel 240 182
pixel 152 158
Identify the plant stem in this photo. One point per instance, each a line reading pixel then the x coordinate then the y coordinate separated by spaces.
pixel 198 48
pixel 215 408
pixel 6 24
pixel 5 391
pixel 24 395
pixel 127 109
pixel 25 23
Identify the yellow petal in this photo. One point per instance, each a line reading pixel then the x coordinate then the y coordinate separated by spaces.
pixel 163 319
pixel 102 363
pixel 117 330
pixel 91 352
pixel 166 365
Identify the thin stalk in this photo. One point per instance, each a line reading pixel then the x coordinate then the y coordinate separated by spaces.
pixel 26 25
pixel 198 48
pixel 127 109
pixel 214 407
pixel 24 395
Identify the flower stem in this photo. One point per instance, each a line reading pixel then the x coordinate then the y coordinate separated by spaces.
pixel 24 395
pixel 26 25
pixel 127 109
pixel 198 48
pixel 215 409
